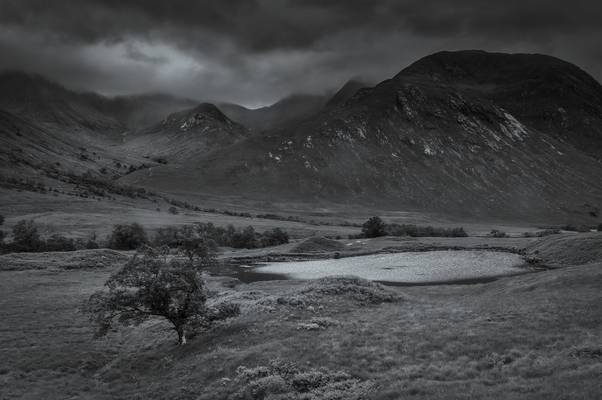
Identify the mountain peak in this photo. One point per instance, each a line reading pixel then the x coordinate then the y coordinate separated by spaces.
pixel 209 109
pixel 479 66
pixel 346 92
pixel 198 116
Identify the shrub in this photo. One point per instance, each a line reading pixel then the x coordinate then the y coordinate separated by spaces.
pixel 173 210
pixel 58 242
pixel 168 236
pixel 361 290
pixel 274 237
pixel 423 231
pixel 150 286
pixel 574 228
pixel 218 236
pixel 196 246
pixel 245 239
pixel 285 380
pixel 547 232
pixel 92 243
pixel 127 237
pixel 26 236
pixel 374 227
pixel 497 234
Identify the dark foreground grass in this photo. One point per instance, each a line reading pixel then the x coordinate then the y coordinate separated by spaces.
pixel 534 336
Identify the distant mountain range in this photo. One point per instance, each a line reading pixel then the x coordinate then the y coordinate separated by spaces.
pixel 290 110
pixel 469 132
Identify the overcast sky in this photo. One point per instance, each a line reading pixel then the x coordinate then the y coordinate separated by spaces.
pixel 254 52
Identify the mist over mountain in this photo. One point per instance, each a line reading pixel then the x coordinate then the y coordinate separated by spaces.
pixel 290 110
pixel 36 98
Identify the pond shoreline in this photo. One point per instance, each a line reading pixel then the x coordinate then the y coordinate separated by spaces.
pixel 469 265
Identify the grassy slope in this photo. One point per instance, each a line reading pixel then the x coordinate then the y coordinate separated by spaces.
pixel 79 217
pixel 74 216
pixel 533 336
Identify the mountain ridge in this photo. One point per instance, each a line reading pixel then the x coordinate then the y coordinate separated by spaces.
pixel 465 132
pixel 418 142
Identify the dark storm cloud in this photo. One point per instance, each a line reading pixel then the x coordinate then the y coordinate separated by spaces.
pixel 255 51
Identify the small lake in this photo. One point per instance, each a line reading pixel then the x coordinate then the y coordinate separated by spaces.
pixel 412 268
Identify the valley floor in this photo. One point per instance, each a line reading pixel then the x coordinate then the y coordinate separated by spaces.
pixel 534 336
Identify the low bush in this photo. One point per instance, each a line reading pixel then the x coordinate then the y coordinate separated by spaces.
pixel 91 243
pixel 575 228
pixel 423 231
pixel 375 227
pixel 127 237
pixel 245 239
pixel 58 242
pixel 26 237
pixel 285 380
pixel 543 233
pixel 229 236
pixel 495 233
pixel 274 237
pixel 361 290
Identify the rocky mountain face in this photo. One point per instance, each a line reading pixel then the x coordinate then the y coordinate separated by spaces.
pixel 546 93
pixel 467 133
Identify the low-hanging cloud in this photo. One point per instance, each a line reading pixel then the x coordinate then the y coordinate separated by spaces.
pixel 256 51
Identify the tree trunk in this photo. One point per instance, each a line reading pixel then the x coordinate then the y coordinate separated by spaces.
pixel 181 336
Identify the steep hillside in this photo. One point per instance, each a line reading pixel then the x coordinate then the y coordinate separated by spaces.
pixel 48 129
pixel 543 92
pixel 424 142
pixel 28 150
pixel 345 93
pixel 49 104
pixel 288 111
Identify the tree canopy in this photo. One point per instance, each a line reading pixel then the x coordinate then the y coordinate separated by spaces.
pixel 153 285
